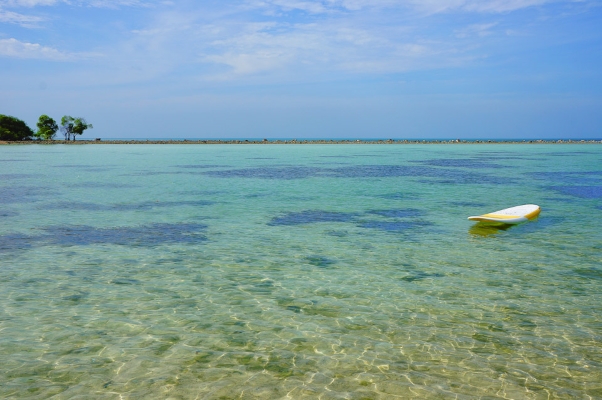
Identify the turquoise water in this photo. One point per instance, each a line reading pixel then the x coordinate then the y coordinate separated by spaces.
pixel 267 272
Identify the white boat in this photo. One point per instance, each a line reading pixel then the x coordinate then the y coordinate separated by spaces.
pixel 512 215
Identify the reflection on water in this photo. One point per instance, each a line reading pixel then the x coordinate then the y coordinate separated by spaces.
pixel 488 229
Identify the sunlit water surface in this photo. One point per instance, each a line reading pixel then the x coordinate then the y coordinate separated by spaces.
pixel 331 272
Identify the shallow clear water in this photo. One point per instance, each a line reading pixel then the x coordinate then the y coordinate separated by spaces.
pixel 341 271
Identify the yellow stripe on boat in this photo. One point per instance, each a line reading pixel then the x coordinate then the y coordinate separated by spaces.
pixel 533 214
pixel 498 216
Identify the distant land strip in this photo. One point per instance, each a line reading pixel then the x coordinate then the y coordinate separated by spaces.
pixel 295 141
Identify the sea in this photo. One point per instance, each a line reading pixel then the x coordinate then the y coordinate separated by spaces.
pixel 184 271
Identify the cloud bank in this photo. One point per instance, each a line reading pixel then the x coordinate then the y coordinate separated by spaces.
pixel 17 49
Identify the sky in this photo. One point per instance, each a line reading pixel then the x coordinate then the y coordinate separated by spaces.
pixel 422 69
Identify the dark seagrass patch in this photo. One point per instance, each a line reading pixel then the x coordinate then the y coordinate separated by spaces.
pixel 398 213
pixel 584 192
pixel 470 163
pixel 570 178
pixel 284 173
pixel 22 194
pixel 320 261
pixel 310 217
pixel 146 205
pixel 420 275
pixel 83 235
pixel 102 185
pixel 393 226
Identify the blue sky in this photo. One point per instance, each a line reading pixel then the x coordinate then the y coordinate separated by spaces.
pixel 307 68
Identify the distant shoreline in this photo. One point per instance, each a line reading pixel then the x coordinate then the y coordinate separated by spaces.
pixel 298 142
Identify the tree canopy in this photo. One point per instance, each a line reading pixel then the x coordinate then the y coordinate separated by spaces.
pixel 12 128
pixel 47 128
pixel 73 126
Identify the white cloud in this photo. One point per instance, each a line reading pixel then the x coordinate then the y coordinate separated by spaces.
pixel 115 3
pixel 499 6
pixel 479 30
pixel 14 48
pixel 314 7
pixel 27 3
pixel 89 3
pixel 27 21
pixel 329 48
pixel 427 6
pixel 250 63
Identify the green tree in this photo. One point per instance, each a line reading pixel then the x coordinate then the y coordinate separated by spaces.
pixel 73 126
pixel 79 126
pixel 12 128
pixel 67 126
pixel 47 128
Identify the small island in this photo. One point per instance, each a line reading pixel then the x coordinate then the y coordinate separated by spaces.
pixel 16 131
pixel 13 129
